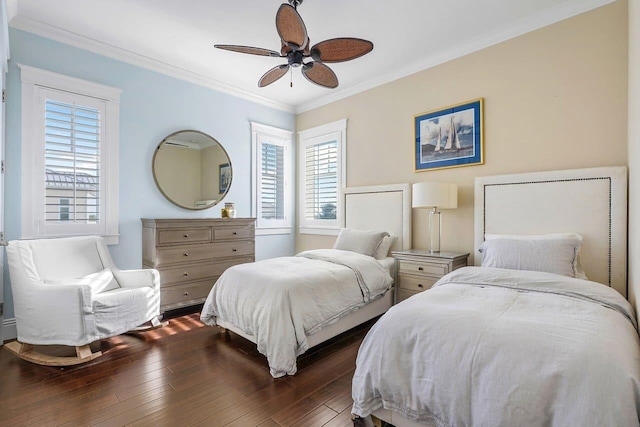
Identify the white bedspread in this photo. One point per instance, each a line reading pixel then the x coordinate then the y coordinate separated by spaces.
pixel 493 347
pixel 281 301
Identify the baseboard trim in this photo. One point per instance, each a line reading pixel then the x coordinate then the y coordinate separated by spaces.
pixel 9 331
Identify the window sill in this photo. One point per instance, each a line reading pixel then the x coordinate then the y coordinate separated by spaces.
pixel 272 231
pixel 326 231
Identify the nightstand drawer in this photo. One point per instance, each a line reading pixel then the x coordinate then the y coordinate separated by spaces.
pixel 403 295
pixel 416 267
pixel 416 283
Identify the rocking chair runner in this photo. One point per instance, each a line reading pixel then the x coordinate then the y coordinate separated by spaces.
pixel 68 291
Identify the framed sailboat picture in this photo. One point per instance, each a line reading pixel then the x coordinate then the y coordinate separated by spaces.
pixel 449 137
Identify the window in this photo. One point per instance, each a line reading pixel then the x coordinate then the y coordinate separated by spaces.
pixel 322 177
pixel 70 156
pixel 64 210
pixel 272 176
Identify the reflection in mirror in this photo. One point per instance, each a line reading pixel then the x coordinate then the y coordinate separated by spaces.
pixel 192 169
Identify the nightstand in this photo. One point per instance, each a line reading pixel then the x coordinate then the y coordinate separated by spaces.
pixel 417 270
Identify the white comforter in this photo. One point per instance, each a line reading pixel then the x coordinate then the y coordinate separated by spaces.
pixel 281 301
pixel 493 347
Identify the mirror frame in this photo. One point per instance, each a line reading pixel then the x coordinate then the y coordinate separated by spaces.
pixel 166 196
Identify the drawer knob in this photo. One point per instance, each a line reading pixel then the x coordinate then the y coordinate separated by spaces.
pixel 186 274
pixel 186 294
pixel 420 268
pixel 235 232
pixel 186 254
pixel 186 235
pixel 234 250
pixel 420 285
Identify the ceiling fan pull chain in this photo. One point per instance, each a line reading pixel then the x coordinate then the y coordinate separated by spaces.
pixel 291 77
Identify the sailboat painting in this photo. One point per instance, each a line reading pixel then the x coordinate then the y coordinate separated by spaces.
pixel 449 137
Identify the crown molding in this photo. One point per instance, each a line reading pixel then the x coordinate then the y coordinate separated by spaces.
pixel 63 36
pixel 532 23
pixel 551 16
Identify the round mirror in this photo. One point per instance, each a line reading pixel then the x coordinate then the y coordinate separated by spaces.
pixel 192 169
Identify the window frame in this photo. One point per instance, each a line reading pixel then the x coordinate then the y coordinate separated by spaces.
pixel 34 83
pixel 314 136
pixel 284 138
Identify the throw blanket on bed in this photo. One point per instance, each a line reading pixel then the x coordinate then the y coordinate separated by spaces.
pixel 282 300
pixel 494 347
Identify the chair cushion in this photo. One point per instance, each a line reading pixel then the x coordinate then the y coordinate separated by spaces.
pixel 102 281
pixel 65 258
pixel 123 309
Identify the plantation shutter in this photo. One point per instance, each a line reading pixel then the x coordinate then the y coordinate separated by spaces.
pixel 272 181
pixel 72 163
pixel 321 180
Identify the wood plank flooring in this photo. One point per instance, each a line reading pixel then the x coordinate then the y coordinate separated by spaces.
pixel 186 374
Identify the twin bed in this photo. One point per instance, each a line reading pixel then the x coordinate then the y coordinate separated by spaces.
pixel 522 338
pixel 290 304
pixel 538 333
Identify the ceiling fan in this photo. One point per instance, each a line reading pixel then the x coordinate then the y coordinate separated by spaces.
pixel 296 48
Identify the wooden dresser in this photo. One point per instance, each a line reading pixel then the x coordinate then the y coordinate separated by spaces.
pixel 418 270
pixel 191 254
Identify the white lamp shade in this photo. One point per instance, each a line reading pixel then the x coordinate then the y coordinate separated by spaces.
pixel 435 195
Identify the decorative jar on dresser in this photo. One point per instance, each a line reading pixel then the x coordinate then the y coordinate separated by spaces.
pixel 417 270
pixel 191 254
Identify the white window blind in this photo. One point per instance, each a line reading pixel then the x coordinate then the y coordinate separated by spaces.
pixel 72 163
pixel 272 182
pixel 322 177
pixel 272 172
pixel 321 181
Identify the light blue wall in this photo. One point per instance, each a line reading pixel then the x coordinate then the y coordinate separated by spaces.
pixel 152 105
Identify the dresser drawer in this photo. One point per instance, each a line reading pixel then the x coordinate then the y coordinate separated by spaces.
pixel 174 255
pixel 404 294
pixel 416 283
pixel 184 235
pixel 228 233
pixel 192 272
pixel 185 293
pixel 417 267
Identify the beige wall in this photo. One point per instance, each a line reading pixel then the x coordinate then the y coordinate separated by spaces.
pixel 555 98
pixel 634 153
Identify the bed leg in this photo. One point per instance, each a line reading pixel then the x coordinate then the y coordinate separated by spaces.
pixel 361 422
pixel 223 330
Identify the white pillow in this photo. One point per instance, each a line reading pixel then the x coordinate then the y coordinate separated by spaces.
pixel 383 250
pixel 102 281
pixel 573 237
pixel 552 254
pixel 363 242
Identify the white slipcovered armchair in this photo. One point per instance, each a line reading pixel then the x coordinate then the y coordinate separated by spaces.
pixel 68 291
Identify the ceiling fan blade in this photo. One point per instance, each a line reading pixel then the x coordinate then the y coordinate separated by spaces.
pixel 320 74
pixel 272 75
pixel 291 28
pixel 341 49
pixel 248 49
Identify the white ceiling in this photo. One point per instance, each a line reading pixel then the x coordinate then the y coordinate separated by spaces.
pixel 177 37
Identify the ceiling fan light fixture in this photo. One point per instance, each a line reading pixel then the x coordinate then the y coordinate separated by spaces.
pixel 295 46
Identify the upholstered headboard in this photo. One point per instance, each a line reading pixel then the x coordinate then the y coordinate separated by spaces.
pixel 380 207
pixel 591 202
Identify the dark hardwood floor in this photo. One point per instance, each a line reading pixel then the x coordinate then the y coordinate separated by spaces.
pixel 186 374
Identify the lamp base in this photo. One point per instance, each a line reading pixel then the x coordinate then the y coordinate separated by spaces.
pixel 434 231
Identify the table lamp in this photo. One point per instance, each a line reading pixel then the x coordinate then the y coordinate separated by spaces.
pixel 434 195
